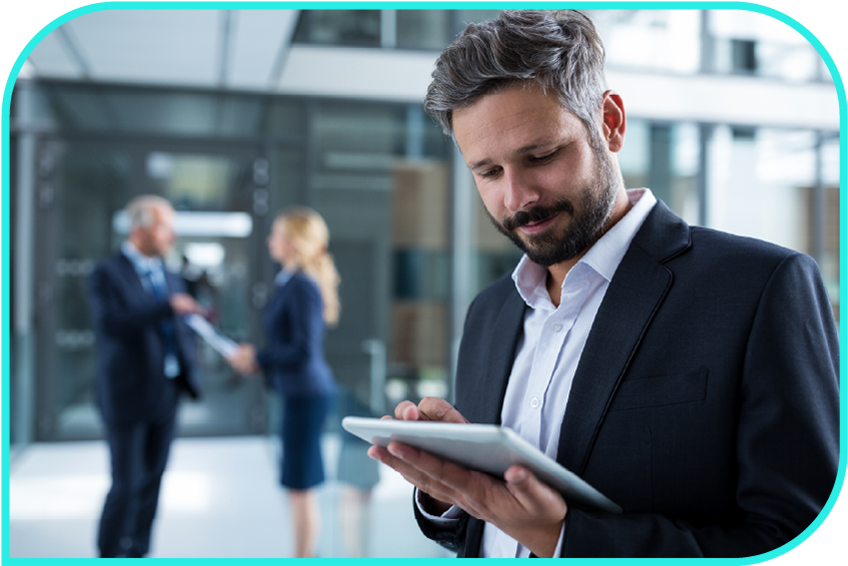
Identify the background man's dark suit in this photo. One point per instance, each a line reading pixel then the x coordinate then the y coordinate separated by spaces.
pixel 137 401
pixel 705 402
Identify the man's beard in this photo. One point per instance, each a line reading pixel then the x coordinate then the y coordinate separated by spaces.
pixel 550 247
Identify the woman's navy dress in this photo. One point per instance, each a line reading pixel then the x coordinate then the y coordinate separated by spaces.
pixel 294 366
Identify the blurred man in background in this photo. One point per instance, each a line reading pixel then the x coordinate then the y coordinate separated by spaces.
pixel 145 360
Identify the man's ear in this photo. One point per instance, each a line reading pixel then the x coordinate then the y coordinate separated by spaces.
pixel 614 121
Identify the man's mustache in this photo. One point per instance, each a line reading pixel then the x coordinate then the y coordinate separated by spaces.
pixel 536 214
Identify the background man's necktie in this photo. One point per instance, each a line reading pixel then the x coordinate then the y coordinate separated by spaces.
pixel 159 287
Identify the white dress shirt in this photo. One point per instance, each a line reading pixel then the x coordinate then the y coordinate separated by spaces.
pixel 551 345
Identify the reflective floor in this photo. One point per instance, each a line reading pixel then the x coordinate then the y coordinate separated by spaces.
pixel 219 499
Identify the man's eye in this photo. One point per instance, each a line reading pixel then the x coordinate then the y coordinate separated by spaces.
pixel 543 158
pixel 488 174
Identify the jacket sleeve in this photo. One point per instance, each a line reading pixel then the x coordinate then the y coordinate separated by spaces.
pixel 787 438
pixel 451 536
pixel 114 312
pixel 303 318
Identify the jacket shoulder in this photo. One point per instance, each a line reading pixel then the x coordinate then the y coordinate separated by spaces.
pixel 487 305
pixel 111 266
pixel 502 288
pixel 733 250
pixel 302 283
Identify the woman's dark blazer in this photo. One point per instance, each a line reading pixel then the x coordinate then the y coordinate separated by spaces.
pixel 293 357
pixel 705 402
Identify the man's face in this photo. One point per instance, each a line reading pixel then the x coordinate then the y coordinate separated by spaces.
pixel 157 238
pixel 541 181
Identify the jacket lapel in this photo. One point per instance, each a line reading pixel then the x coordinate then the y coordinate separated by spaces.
pixel 492 385
pixel 635 294
pixel 131 277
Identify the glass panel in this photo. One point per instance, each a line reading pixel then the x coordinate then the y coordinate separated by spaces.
pixel 356 28
pixel 465 17
pixel 286 116
pixel 667 40
pixel 95 181
pixel 767 171
pixel 829 261
pixel 423 29
pixel 126 110
pixel 194 181
pixel 664 158
pixel 752 43
pixel 16 378
pixel 388 210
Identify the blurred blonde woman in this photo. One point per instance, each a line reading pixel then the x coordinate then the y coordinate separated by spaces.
pixel 305 301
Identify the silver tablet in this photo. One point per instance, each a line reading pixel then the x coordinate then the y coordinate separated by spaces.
pixel 486 448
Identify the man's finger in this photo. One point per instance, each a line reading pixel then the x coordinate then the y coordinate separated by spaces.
pixel 435 409
pixel 468 489
pixel 413 475
pixel 533 495
pixel 407 411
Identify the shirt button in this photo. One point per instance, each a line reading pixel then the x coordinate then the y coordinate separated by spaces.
pixel 534 402
pixel 557 327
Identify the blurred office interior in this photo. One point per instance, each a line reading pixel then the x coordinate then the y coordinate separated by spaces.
pixel 733 121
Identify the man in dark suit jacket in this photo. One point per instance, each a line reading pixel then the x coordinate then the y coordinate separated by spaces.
pixel 689 375
pixel 145 360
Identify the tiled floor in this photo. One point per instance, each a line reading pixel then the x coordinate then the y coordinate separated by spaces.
pixel 220 499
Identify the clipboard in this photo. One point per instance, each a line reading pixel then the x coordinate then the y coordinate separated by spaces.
pixel 487 448
pixel 218 341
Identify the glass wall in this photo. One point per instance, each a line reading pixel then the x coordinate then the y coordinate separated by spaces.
pixel 401 29
pixel 733 42
pixel 380 178
pixel 748 43
pixel 378 173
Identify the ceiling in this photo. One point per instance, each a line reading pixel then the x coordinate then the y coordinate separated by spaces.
pixel 232 49
pixel 251 50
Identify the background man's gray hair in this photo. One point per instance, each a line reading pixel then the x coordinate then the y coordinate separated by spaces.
pixel 558 50
pixel 140 210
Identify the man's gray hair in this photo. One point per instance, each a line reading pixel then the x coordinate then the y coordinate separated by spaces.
pixel 558 50
pixel 140 210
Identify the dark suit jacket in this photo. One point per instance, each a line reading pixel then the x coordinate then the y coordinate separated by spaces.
pixel 705 402
pixel 293 358
pixel 131 384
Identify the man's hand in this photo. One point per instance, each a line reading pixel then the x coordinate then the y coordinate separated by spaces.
pixel 244 360
pixel 520 505
pixel 183 303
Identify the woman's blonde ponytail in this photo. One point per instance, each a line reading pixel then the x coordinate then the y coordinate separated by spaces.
pixel 310 236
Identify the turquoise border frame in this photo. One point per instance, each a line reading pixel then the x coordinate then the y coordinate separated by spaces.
pixel 25 24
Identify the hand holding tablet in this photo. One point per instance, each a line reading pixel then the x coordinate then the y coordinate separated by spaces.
pixel 486 448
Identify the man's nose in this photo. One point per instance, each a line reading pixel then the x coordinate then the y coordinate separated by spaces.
pixel 519 191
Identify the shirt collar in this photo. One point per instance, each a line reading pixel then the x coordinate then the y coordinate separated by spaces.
pixel 283 277
pixel 603 257
pixel 141 262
